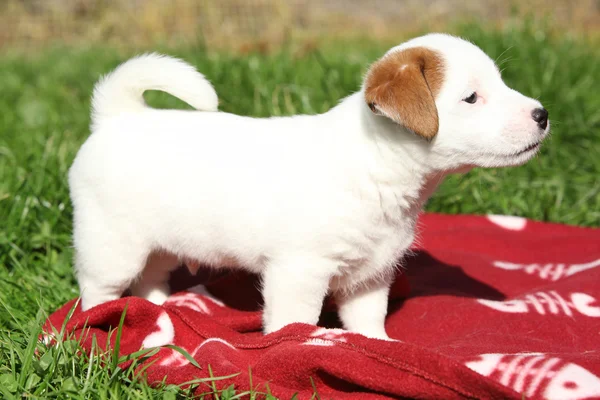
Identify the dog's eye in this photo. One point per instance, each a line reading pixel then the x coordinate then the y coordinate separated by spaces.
pixel 472 99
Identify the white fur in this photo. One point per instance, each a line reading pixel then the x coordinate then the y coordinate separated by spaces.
pixel 316 204
pixel 122 90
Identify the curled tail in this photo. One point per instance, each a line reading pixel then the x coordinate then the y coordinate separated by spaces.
pixel 122 90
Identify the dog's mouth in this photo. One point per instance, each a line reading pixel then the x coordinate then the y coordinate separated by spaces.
pixel 529 148
pixel 520 156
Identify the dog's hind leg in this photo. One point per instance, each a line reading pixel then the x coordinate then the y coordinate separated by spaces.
pixel 107 260
pixel 152 284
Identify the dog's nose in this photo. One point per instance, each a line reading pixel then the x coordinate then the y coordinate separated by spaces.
pixel 540 115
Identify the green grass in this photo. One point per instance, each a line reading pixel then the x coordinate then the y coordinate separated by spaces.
pixel 44 116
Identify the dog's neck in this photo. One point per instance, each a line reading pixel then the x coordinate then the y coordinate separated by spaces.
pixel 397 159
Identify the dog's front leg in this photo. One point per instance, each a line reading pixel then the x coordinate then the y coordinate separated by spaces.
pixel 293 291
pixel 364 309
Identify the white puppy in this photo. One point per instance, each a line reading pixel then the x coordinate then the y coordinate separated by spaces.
pixel 315 204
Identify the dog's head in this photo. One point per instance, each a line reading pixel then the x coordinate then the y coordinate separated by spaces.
pixel 450 94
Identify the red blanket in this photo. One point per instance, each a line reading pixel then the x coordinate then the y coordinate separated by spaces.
pixel 498 307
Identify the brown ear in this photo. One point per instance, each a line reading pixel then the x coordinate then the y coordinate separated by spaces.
pixel 402 86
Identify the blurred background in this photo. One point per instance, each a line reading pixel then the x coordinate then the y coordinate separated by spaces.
pixel 238 24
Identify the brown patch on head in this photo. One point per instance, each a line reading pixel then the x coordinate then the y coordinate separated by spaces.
pixel 403 85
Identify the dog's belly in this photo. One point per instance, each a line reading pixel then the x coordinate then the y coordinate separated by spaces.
pixel 227 262
pixel 205 249
pixel 358 258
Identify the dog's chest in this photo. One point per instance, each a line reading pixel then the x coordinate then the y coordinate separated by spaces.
pixel 375 251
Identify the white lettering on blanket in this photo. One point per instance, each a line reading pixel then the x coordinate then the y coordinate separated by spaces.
pixel 548 302
pixel 535 373
pixel 326 337
pixel 164 335
pixel 193 301
pixel 178 360
pixel 549 271
pixel 510 222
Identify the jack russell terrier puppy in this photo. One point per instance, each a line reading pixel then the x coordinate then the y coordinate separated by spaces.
pixel 315 204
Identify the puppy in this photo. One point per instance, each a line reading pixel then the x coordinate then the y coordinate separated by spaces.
pixel 314 204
